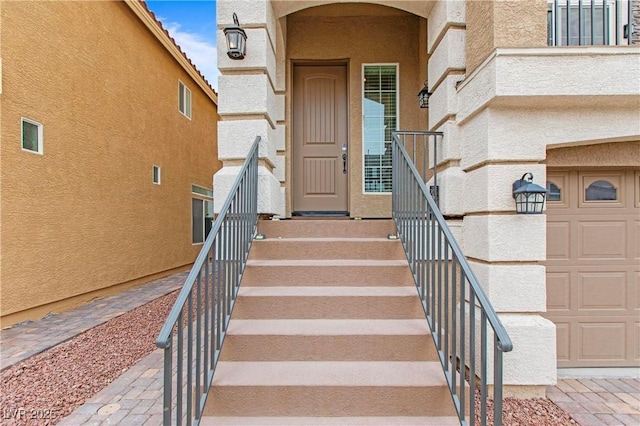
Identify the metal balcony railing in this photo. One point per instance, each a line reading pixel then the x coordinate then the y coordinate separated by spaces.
pixel 461 318
pixel 589 23
pixel 193 333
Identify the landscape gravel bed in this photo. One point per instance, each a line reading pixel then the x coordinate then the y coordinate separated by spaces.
pixel 52 384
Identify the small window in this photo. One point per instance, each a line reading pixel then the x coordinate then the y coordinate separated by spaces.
pixel 31 135
pixel 554 192
pixel 156 175
pixel 201 213
pixel 184 99
pixel 601 190
pixel 201 219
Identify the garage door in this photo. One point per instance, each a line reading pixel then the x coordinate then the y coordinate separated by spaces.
pixel 593 266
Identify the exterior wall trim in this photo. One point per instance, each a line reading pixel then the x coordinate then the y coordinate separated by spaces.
pixel 141 11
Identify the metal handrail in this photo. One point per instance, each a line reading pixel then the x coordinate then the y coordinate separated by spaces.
pixel 590 23
pixel 455 305
pixel 206 301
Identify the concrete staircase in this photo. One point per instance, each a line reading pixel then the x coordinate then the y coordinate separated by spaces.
pixel 328 330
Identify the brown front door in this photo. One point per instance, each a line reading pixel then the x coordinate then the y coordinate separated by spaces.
pixel 320 146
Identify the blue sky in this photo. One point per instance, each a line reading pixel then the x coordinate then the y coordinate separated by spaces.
pixel 193 25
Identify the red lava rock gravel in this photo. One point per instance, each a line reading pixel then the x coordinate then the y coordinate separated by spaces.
pixel 49 386
pixel 527 412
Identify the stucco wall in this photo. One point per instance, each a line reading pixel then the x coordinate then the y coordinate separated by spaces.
pixel 85 216
pixel 635 35
pixel 493 24
pixel 618 154
pixel 363 34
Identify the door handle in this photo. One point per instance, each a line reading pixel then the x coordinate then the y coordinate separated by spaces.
pixel 344 164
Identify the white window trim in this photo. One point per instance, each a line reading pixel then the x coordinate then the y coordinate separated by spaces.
pixel 153 174
pixel 182 90
pixel 204 198
pixel 40 136
pixel 397 65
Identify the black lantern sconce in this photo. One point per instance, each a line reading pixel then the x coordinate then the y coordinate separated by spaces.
pixel 423 96
pixel 236 39
pixel 529 196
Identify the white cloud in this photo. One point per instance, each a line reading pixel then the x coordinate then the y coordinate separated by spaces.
pixel 200 50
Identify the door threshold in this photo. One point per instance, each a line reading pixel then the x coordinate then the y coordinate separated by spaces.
pixel 321 214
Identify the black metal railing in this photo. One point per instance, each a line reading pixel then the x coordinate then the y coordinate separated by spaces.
pixel 589 22
pixel 460 316
pixel 195 329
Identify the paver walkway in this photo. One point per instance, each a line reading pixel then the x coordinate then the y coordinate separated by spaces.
pixel 135 398
pixel 599 401
pixel 32 337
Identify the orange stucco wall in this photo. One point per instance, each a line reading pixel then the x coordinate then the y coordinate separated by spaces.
pixel 494 24
pixel 364 34
pixel 85 218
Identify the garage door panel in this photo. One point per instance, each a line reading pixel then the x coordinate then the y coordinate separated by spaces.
pixel 602 240
pixel 563 337
pixel 604 341
pixel 558 291
pixel 602 291
pixel 593 267
pixel 558 241
pixel 636 341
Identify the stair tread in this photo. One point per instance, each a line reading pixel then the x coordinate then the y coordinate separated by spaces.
pixel 328 291
pixel 330 373
pixel 326 262
pixel 327 239
pixel 343 421
pixel 326 327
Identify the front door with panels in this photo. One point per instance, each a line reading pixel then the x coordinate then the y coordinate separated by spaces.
pixel 593 266
pixel 320 145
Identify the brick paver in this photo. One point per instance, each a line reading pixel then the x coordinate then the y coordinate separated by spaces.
pixel 599 401
pixel 32 337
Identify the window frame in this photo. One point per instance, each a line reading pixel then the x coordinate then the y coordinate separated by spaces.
pixel 396 116
pixel 40 140
pixel 155 168
pixel 185 99
pixel 555 39
pixel 204 199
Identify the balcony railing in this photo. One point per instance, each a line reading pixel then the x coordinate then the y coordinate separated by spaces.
pixel 462 320
pixel 195 329
pixel 589 23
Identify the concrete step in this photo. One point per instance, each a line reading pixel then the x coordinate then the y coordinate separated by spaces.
pixel 318 228
pixel 332 421
pixel 328 340
pixel 360 389
pixel 327 272
pixel 328 303
pixel 327 248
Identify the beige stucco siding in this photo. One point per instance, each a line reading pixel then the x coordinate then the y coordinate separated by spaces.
pixel 368 34
pixel 495 24
pixel 85 216
pixel 618 154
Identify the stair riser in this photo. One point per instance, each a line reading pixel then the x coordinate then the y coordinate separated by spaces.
pixel 356 307
pixel 326 228
pixel 328 348
pixel 326 275
pixel 328 401
pixel 292 250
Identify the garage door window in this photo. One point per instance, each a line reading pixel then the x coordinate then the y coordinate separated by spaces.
pixel 554 192
pixel 601 190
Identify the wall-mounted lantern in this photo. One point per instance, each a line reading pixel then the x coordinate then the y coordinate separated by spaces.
pixel 236 39
pixel 423 96
pixel 529 196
